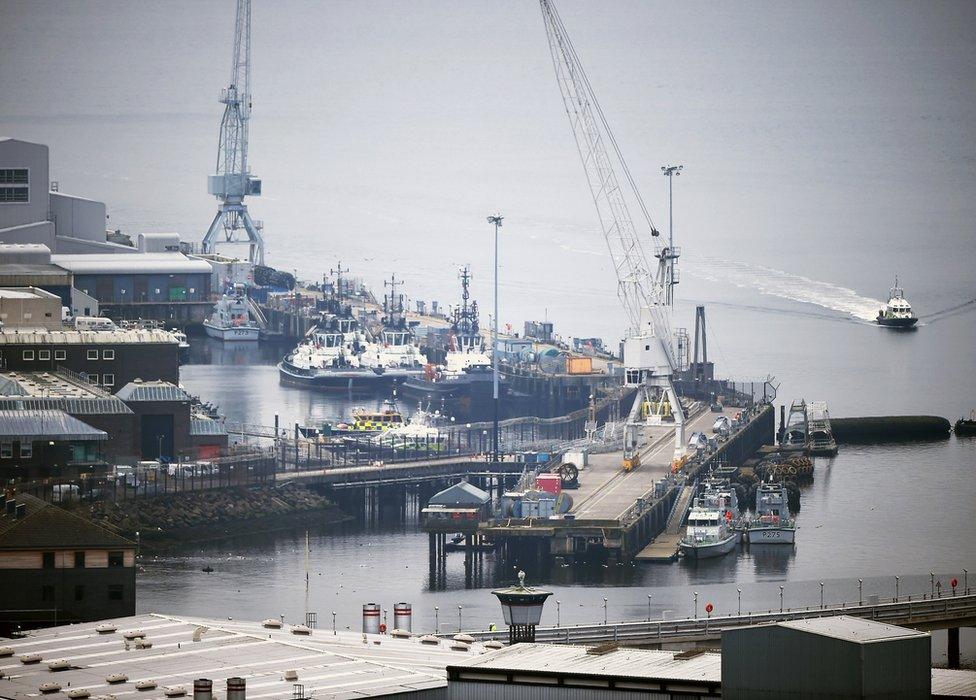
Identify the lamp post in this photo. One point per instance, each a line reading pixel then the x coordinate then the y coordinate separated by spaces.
pixel 558 603
pixel 896 589
pixel 648 607
pixel 604 611
pixel 459 619
pixel 932 583
pixel 781 599
pixel 696 605
pixel 333 622
pixel 496 220
pixel 821 595
pixel 739 593
pixel 437 624
pixel 860 598
pixel 670 171
pixel 522 609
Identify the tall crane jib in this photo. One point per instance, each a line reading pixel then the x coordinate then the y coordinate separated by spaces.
pixel 233 180
pixel 644 291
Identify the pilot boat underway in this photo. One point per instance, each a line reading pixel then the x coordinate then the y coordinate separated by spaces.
pixel 772 524
pixel 711 523
pixel 230 319
pixel 898 312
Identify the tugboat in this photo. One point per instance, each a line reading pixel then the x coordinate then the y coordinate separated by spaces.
pixel 898 312
pixel 230 319
pixel 463 385
pixel 711 523
pixel 773 523
pixel 338 355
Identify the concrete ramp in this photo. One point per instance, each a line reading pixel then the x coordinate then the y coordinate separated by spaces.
pixel 664 547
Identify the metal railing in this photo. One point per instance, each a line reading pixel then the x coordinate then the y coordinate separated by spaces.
pixel 911 611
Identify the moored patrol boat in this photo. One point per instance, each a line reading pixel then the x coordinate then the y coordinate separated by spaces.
pixel 230 319
pixel 772 523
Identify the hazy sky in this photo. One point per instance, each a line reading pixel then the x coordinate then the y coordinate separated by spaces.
pixel 833 141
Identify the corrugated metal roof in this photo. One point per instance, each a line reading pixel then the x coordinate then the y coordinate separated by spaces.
pixel 45 424
pixel 207 426
pixel 852 629
pixel 343 665
pixel 74 406
pixel 559 659
pixel 21 391
pixel 131 263
pixel 142 336
pixel 151 391
pixel 45 526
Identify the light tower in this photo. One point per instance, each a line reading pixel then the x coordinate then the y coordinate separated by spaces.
pixel 669 256
pixel 233 180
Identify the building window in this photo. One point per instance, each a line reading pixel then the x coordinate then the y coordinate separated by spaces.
pixel 116 560
pixel 108 380
pixel 47 594
pixel 43 354
pixel 60 355
pixel 93 354
pixel 14 176
pixel 26 450
pixel 48 560
pixel 28 354
pixel 115 592
pixel 79 560
pixel 93 379
pixel 108 354
pixel 6 450
pixel 79 593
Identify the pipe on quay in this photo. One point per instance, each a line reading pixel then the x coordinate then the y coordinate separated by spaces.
pixel 884 428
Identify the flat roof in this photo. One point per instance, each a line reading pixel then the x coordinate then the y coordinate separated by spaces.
pixel 953 683
pixel 46 526
pixel 852 629
pixel 131 263
pixel 70 336
pixel 25 293
pixel 571 660
pixel 342 665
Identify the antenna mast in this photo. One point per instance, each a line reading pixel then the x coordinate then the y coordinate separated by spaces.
pixel 233 180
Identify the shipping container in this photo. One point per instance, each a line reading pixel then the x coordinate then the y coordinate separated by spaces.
pixel 579 365
pixel 551 483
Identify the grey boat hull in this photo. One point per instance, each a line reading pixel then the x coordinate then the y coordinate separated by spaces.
pixel 771 535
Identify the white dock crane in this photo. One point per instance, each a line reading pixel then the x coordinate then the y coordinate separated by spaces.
pixel 649 361
pixel 233 180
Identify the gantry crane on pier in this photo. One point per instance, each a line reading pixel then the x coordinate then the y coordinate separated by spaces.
pixel 233 180
pixel 644 291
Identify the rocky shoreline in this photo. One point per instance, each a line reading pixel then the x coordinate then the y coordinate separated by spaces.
pixel 178 519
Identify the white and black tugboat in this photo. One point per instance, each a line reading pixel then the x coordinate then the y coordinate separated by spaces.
pixel 463 384
pixel 337 354
pixel 897 313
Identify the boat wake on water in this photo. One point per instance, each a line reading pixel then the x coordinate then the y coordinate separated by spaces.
pixel 786 285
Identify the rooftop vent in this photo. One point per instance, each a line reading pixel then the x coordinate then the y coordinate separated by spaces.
pixel 177 691
pixel 59 665
pixel 49 687
pixel 78 693
pixel 116 678
pixel 31 659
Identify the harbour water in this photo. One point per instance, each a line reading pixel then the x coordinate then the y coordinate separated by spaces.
pixel 820 161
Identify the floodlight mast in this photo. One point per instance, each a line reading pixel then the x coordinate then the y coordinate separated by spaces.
pixel 233 180
pixel 648 356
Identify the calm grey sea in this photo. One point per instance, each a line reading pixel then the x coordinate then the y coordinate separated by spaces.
pixel 827 147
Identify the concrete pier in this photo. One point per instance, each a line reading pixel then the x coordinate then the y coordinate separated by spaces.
pixel 617 513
